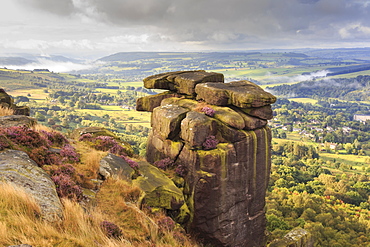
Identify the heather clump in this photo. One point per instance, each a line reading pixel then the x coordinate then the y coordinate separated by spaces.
pixel 55 138
pixel 133 164
pixel 69 154
pixel 210 143
pixel 111 229
pixel 104 143
pixel 181 171
pixel 23 136
pixel 208 111
pixel 43 156
pixel 66 180
pixel 164 163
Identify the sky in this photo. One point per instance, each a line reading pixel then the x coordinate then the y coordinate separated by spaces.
pixel 95 28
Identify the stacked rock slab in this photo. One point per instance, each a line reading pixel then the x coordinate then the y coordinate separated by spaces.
pixel 225 184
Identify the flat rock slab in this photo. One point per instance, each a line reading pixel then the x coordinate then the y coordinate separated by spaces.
pixel 17 168
pixel 148 103
pixel 242 94
pixel 182 82
pixel 112 165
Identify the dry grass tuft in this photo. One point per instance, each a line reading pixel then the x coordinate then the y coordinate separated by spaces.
pixel 20 224
pixel 5 111
pixel 39 127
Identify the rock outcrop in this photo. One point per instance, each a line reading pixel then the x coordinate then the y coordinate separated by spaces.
pixel 8 102
pixel 17 120
pixel 16 167
pixel 216 132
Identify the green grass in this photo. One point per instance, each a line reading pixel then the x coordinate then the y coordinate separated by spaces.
pixel 304 100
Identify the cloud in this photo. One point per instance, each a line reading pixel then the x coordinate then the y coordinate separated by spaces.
pixel 297 78
pixel 218 22
pixel 51 65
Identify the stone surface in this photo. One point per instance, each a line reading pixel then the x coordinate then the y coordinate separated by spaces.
pixel 166 120
pixel 182 82
pixel 17 120
pixel 5 98
pixel 264 112
pixel 242 94
pixel 112 165
pixel 250 123
pixel 229 117
pixel 196 127
pixel 148 103
pixel 226 190
pixel 158 149
pixel 160 191
pixel 16 167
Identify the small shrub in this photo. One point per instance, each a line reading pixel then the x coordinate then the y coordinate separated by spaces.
pixel 66 187
pixel 181 170
pixel 164 163
pixel 86 137
pixel 24 136
pixel 133 164
pixel 117 149
pixel 55 138
pixel 210 143
pixel 111 229
pixel 69 154
pixel 208 111
pixel 42 156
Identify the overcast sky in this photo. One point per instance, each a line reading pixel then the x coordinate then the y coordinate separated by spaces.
pixel 102 27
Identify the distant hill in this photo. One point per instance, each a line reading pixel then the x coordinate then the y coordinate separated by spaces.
pixel 133 56
pixel 5 61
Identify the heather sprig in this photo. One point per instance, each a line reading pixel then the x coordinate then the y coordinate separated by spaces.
pixel 210 143
pixel 208 111
pixel 164 163
pixel 111 229
pixel 181 170
pixel 133 164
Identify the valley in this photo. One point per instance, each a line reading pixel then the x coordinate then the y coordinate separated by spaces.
pixel 321 154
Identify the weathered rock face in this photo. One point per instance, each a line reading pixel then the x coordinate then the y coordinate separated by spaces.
pixel 16 167
pixel 8 102
pixel 224 144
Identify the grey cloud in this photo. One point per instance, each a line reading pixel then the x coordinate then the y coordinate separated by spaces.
pixel 221 21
